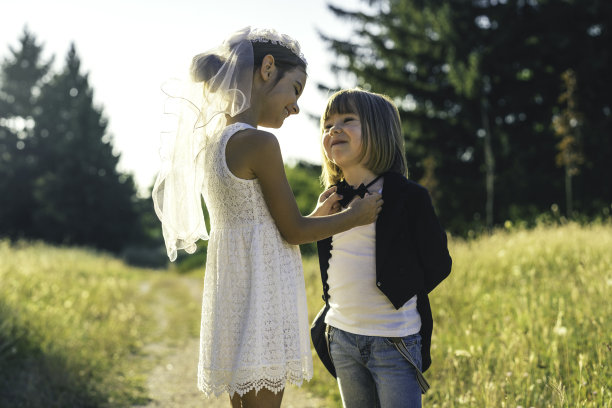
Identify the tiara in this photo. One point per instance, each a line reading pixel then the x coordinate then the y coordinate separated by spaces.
pixel 272 36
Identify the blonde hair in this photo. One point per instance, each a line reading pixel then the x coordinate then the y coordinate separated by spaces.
pixel 381 133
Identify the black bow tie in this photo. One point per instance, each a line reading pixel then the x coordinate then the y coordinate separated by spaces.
pixel 348 193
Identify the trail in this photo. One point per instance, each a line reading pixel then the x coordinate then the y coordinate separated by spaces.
pixel 172 383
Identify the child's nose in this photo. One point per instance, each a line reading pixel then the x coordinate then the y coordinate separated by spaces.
pixel 294 109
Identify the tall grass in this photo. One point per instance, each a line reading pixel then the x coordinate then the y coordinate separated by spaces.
pixel 524 320
pixel 70 323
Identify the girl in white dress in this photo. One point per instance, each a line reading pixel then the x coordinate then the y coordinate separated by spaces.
pixel 254 331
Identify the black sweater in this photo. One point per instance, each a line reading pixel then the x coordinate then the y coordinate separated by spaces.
pixel 411 251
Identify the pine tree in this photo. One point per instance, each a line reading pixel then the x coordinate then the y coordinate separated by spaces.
pixel 82 198
pixel 477 83
pixel 21 76
pixel 409 50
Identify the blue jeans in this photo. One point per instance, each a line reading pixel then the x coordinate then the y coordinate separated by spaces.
pixel 372 373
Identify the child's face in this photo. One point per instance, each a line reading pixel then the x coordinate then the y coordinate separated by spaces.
pixel 281 100
pixel 342 139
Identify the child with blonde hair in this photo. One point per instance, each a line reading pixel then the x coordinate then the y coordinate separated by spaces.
pixel 376 277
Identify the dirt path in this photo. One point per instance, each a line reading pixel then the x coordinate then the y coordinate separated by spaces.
pixel 172 381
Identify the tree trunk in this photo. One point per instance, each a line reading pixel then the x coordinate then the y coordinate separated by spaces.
pixel 489 163
pixel 568 191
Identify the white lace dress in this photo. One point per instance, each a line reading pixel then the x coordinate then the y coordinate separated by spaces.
pixel 254 331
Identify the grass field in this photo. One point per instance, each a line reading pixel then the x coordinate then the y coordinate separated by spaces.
pixel 524 320
pixel 71 326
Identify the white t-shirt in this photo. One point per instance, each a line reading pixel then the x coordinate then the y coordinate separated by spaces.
pixel 356 304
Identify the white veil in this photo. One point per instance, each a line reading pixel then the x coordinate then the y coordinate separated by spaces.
pixel 197 110
pixel 221 85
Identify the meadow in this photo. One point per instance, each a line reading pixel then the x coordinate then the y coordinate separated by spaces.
pixel 523 320
pixel 71 323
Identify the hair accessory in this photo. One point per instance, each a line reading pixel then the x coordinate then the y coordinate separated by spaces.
pixel 271 35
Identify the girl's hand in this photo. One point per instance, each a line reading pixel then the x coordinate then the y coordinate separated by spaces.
pixel 328 203
pixel 366 209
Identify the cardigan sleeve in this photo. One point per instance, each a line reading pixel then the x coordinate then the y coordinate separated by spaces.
pixel 431 243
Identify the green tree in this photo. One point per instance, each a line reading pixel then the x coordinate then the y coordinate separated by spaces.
pixel 21 77
pixel 58 172
pixel 476 82
pixel 81 197
pixel 409 50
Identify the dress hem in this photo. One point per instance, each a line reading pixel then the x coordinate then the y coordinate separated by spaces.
pixel 257 385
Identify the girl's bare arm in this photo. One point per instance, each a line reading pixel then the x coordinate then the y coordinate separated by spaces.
pixel 263 159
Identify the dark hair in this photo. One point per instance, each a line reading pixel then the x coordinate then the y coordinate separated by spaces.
pixel 204 67
pixel 284 59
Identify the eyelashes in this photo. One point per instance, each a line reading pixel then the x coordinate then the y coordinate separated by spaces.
pixel 345 120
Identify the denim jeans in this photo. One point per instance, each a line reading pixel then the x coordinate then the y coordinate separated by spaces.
pixel 372 373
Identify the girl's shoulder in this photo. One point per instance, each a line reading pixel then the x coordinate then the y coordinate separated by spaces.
pixel 250 147
pixel 255 137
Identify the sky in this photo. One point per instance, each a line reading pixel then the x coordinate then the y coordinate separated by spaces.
pixel 130 47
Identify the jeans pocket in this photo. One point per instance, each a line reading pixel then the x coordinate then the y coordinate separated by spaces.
pixel 411 344
pixel 330 333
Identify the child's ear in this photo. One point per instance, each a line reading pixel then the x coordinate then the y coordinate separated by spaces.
pixel 267 67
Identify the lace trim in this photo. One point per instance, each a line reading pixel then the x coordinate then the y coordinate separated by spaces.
pixel 271 378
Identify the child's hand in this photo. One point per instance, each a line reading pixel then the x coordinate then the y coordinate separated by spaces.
pixel 366 209
pixel 328 203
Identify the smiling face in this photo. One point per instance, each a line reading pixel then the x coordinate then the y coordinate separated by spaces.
pixel 376 144
pixel 281 99
pixel 342 141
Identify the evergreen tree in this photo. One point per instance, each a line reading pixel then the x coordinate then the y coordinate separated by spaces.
pixel 22 73
pixel 477 83
pixel 21 76
pixel 410 51
pixel 81 197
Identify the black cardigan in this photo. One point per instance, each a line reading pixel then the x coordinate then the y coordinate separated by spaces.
pixel 411 251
